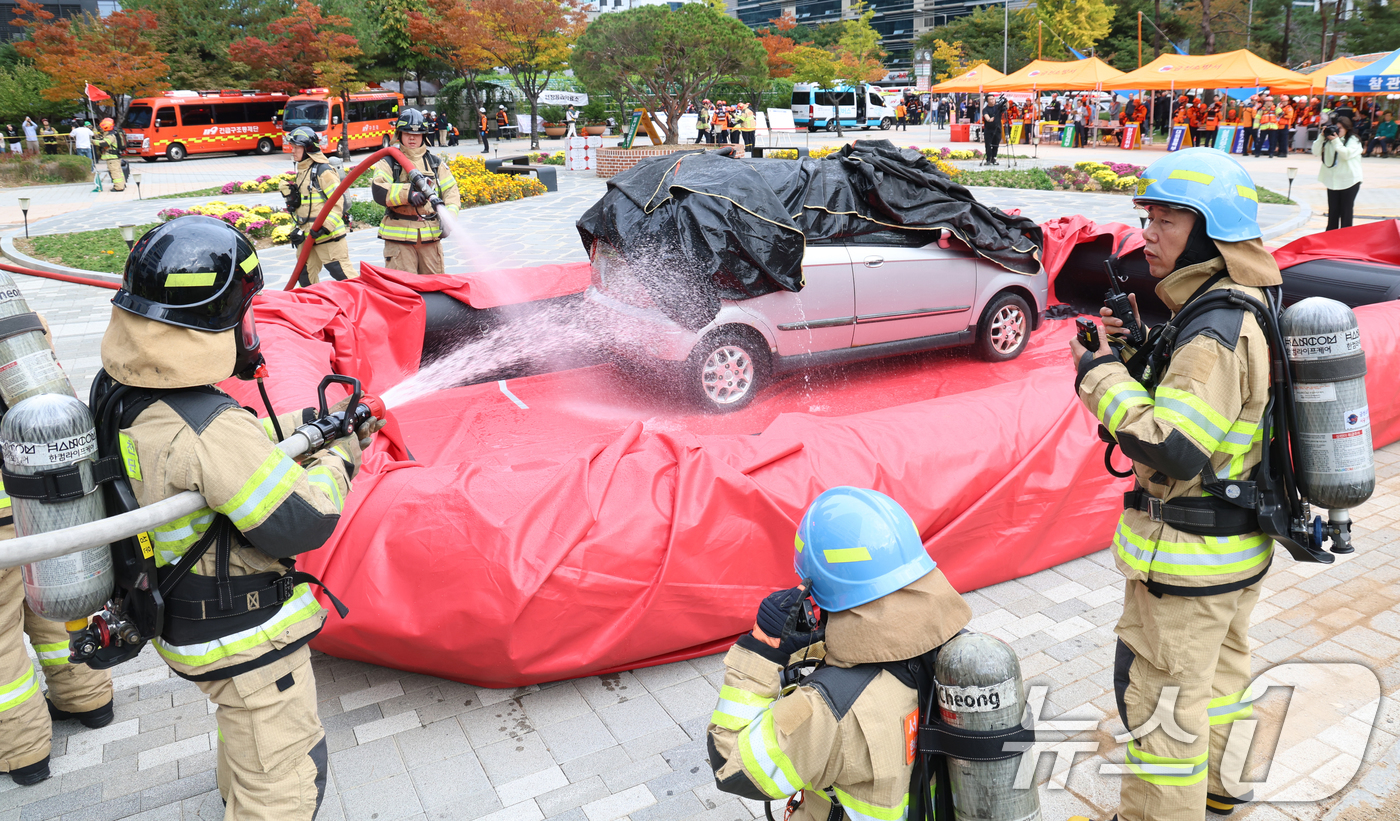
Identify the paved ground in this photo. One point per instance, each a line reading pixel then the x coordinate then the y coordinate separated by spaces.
pixel 631 745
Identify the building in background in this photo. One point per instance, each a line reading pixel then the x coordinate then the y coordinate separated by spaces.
pixel 597 7
pixel 60 10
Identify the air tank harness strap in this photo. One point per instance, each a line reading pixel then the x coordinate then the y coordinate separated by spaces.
pixel 1201 516
pixel 256 592
pixel 20 324
pixel 938 738
pixel 63 484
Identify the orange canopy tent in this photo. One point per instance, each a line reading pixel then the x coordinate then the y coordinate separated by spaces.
pixel 1315 83
pixel 1233 69
pixel 1088 74
pixel 971 82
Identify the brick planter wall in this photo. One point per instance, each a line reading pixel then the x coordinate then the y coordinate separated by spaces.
pixel 613 161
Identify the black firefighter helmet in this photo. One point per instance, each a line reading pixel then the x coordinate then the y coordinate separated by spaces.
pixel 197 272
pixel 412 121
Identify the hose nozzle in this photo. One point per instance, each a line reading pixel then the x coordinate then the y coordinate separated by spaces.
pixel 421 185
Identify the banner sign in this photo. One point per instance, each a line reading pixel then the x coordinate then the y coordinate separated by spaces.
pixel 1238 147
pixel 1225 137
pixel 1067 138
pixel 1178 136
pixel 1016 133
pixel 553 97
pixel 1130 136
pixel 632 128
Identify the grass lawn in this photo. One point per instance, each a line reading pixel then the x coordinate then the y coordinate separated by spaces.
pixel 102 250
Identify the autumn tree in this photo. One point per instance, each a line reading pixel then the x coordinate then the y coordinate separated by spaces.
pixel 948 60
pixel 115 52
pixel 668 59
pixel 778 42
pixel 196 35
pixel 443 33
pixel 819 68
pixel 858 50
pixel 531 39
pixel 1081 24
pixel 287 60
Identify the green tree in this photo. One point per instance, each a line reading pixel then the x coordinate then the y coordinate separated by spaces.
pixel 1120 47
pixel 668 59
pixel 22 89
pixel 859 49
pixel 949 60
pixel 397 48
pixel 820 68
pixel 982 38
pixel 196 35
pixel 1081 23
pixel 1374 26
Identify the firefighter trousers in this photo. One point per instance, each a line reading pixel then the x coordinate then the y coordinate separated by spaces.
pixel 333 257
pixel 25 728
pixel 414 257
pixel 272 749
pixel 114 169
pixel 1181 677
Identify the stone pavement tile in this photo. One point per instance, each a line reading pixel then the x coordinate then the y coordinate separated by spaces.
pixel 508 760
pixel 137 743
pixel 665 675
pixel 559 703
pixel 1279 649
pixel 366 763
pixel 1363 639
pixel 691 698
pixel 595 763
pixel 177 790
pixel 384 727
pixel 124 807
pixel 637 772
pixel 198 763
pixel 662 740
pixel 683 805
pixel 210 807
pixel 496 722
pixel 156 756
pixel 686 776
pixel 1033 604
pixel 571 796
pixel 525 811
pixel 468 809
pixel 619 804
pixel 603 691
pixel 1067 610
pixel 577 737
pixel 634 718
pixel 384 800
pixel 531 786
pixel 61 803
pixel 432 742
pixel 361 698
pixel 454 700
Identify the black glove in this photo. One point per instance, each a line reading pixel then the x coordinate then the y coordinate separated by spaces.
pixel 296 237
pixel 417 198
pixel 779 616
pixel 293 200
pixel 321 232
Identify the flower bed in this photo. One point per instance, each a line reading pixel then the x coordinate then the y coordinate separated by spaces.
pixel 259 222
pixel 546 158
pixel 481 187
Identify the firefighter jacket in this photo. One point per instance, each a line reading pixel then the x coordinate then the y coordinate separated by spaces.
pixel 49 135
pixel 107 146
pixel 314 189
pixel 1204 414
pixel 390 188
pixel 764 745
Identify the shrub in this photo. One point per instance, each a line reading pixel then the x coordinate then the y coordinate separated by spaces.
pixel 367 213
pixel 42 169
pixel 1034 178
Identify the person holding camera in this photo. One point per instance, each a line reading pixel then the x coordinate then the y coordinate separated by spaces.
pixel 840 738
pixel 1340 152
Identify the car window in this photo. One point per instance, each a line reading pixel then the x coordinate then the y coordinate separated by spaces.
pixel 893 238
pixel 165 116
pixel 196 115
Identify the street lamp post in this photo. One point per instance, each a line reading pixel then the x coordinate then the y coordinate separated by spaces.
pixel 1005 33
pixel 1292 175
pixel 136 178
pixel 24 206
pixel 128 233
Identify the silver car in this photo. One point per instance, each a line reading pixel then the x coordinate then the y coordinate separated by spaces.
pixel 858 302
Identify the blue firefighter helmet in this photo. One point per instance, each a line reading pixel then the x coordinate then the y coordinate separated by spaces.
pixel 857 545
pixel 1209 182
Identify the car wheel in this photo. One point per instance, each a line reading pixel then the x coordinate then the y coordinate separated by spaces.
pixel 726 370
pixel 384 143
pixel 265 146
pixel 886 123
pixel 831 124
pixel 149 159
pixel 175 152
pixel 1004 329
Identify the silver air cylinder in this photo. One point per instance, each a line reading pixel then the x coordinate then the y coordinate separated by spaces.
pixel 980 688
pixel 1337 469
pixel 28 366
pixel 43 433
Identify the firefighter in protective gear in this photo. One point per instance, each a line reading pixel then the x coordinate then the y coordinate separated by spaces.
pixel 238 624
pixel 108 147
pixel 75 691
pixel 1194 563
pixel 411 229
pixel 885 601
pixel 305 197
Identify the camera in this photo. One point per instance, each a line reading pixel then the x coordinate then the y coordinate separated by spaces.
pixel 1329 130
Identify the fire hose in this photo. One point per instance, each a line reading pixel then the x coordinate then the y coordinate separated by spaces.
pixel 98 283
pixel 308 438
pixel 415 178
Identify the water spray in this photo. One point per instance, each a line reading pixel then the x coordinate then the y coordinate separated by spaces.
pixel 415 178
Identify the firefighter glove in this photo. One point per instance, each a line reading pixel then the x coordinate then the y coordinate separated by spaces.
pixel 779 617
pixel 296 236
pixel 417 198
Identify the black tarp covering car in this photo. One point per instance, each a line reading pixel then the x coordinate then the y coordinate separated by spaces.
pixel 706 227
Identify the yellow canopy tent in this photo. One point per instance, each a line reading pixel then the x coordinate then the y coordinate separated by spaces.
pixel 971 82
pixel 1316 82
pixel 1088 74
pixel 1233 69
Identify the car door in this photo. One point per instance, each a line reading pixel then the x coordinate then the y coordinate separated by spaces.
pixel 821 316
pixel 911 292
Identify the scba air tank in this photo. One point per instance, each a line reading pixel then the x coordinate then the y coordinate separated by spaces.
pixel 44 434
pixel 1337 469
pixel 28 366
pixel 980 688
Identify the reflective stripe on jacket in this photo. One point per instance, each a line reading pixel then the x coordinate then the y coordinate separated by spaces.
pixel 1203 415
pixel 279 508
pixel 106 145
pixel 779 745
pixel 402 222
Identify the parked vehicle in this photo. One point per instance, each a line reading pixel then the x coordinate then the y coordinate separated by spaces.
pixel 180 123
pixel 863 106
pixel 372 115
pixel 860 302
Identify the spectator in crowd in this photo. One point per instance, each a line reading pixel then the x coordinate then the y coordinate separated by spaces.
pixel 1382 135
pixel 1340 172
pixel 1087 114
pixel 748 123
pixel 1285 128
pixel 900 112
pixel 31 136
pixel 571 119
pixel 13 139
pixel 943 112
pixel 703 115
pixel 82 139
pixel 1267 132
pixel 484 131
pixel 50 137
pixel 1247 120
